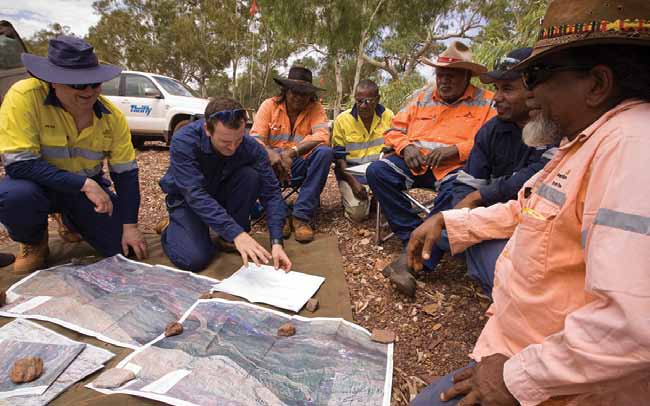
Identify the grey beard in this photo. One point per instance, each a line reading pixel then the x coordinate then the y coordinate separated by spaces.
pixel 541 131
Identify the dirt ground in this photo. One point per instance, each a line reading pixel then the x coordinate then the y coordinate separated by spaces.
pixel 435 331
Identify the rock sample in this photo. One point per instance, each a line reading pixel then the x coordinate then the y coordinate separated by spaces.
pixel 382 336
pixel 114 378
pixel 312 305
pixel 173 329
pixel 287 330
pixel 26 370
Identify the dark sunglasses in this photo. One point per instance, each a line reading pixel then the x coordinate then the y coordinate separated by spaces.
pixel 228 116
pixel 85 85
pixel 368 100
pixel 537 74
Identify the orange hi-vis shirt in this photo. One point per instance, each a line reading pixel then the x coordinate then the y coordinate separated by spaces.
pixel 572 285
pixel 429 123
pixel 272 127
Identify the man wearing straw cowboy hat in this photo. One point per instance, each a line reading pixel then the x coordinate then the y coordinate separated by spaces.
pixel 432 136
pixel 572 288
pixel 294 128
pixel 55 132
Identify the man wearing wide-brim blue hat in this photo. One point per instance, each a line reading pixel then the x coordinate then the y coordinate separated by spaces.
pixel 56 130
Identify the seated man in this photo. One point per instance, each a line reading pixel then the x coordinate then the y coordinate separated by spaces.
pixel 294 129
pixel 496 169
pixel 432 137
pixel 569 320
pixel 358 138
pixel 215 176
pixel 55 133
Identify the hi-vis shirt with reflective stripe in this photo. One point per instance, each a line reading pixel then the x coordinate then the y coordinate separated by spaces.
pixel 272 127
pixel 429 123
pixel 350 134
pixel 30 128
pixel 572 286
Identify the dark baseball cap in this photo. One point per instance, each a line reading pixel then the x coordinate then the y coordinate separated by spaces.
pixel 503 67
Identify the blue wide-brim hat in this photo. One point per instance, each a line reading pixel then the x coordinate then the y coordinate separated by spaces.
pixel 70 60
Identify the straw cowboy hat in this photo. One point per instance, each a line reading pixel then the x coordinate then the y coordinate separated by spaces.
pixel 575 23
pixel 456 56
pixel 299 79
pixel 70 60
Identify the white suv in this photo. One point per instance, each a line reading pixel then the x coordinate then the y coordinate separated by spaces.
pixel 155 106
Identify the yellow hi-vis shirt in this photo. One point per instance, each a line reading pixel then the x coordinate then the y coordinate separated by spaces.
pixel 351 136
pixel 33 125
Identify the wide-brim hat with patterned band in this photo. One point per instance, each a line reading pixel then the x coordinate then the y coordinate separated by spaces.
pixel 457 56
pixel 299 79
pixel 576 23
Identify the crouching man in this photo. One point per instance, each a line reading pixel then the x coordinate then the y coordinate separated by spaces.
pixel 215 176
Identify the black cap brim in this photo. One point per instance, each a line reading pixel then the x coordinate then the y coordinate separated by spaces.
pixel 495 75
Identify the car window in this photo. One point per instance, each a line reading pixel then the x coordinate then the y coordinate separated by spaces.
pixel 112 87
pixel 174 87
pixel 138 86
pixel 10 50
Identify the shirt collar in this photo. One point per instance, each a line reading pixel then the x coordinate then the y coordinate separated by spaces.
pixel 51 100
pixel 470 93
pixel 206 145
pixel 379 110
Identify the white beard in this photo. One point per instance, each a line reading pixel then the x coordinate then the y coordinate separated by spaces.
pixel 541 131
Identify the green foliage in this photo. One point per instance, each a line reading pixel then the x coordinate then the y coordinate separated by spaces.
pixel 396 93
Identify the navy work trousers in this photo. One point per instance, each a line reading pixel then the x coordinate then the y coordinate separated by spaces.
pixel 186 241
pixel 312 172
pixel 25 205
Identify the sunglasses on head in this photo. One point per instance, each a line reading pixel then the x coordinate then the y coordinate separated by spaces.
pixel 227 116
pixel 85 85
pixel 537 74
pixel 506 63
pixel 367 100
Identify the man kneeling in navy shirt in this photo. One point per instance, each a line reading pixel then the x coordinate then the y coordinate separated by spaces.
pixel 215 176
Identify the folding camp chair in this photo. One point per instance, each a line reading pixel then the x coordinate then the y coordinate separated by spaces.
pixel 288 189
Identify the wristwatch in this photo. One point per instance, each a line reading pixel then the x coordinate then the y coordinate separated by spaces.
pixel 277 241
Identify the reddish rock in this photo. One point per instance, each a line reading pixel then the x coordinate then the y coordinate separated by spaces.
pixel 173 329
pixel 382 336
pixel 26 370
pixel 114 378
pixel 312 305
pixel 287 330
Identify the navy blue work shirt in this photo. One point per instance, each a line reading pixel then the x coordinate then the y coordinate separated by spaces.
pixel 499 163
pixel 196 171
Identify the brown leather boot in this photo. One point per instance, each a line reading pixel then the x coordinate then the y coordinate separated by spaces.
pixel 31 257
pixel 161 226
pixel 401 275
pixel 302 231
pixel 65 233
pixel 287 228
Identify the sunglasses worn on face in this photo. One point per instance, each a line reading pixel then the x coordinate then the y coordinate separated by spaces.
pixel 368 100
pixel 84 86
pixel 535 75
pixel 228 116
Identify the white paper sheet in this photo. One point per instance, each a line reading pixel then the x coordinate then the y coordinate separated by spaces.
pixel 264 284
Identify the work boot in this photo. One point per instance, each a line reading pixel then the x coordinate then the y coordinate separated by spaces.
pixel 287 228
pixel 31 257
pixel 65 233
pixel 303 231
pixel 401 275
pixel 161 226
pixel 6 259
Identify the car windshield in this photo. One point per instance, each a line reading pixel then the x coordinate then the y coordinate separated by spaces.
pixel 10 50
pixel 174 87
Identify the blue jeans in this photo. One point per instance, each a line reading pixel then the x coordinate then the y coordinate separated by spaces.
pixel 313 172
pixel 430 396
pixel 186 241
pixel 25 205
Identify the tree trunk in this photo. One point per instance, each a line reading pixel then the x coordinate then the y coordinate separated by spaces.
pixel 235 62
pixel 339 82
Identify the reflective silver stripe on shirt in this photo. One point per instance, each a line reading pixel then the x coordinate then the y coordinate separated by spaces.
pixel 430 144
pixel 91 171
pixel 551 194
pixel 364 160
pixel 549 153
pixel 65 152
pixel 13 157
pixel 285 137
pixel 469 180
pixel 357 146
pixel 323 125
pixel 402 130
pixel 124 167
pixel 623 221
pixel 408 181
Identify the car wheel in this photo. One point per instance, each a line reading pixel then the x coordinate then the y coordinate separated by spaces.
pixel 177 127
pixel 138 142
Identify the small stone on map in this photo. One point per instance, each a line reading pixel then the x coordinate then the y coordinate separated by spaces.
pixel 173 329
pixel 287 330
pixel 26 370
pixel 312 305
pixel 382 336
pixel 114 378
pixel 3 298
